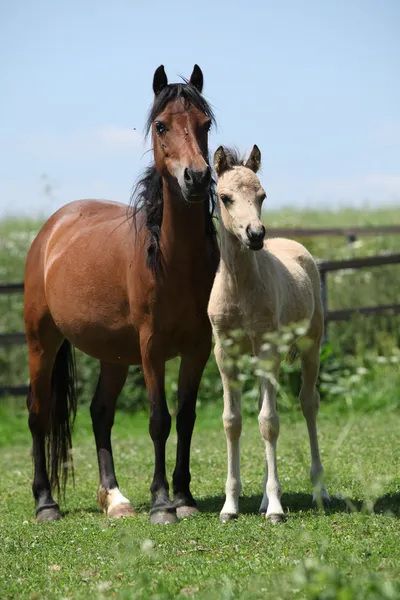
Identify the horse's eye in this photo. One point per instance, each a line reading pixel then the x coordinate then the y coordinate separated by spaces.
pixel 207 126
pixel 160 128
pixel 225 199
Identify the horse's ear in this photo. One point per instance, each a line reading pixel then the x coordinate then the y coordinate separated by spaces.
pixel 196 78
pixel 254 160
pixel 220 161
pixel 160 80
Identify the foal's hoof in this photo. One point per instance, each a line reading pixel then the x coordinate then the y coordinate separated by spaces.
pixel 120 511
pixel 186 511
pixel 51 513
pixel 225 517
pixel 322 500
pixel 163 517
pixel 323 503
pixel 275 518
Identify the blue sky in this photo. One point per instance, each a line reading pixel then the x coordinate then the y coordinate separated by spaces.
pixel 316 84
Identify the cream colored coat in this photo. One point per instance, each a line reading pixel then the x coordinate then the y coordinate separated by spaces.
pixel 261 286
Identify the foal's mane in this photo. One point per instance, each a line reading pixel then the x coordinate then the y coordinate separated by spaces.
pixel 147 194
pixel 233 157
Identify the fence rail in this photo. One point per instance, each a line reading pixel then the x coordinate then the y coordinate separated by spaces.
pixel 325 267
pixel 350 232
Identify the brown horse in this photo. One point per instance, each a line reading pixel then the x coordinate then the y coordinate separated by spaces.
pixel 128 286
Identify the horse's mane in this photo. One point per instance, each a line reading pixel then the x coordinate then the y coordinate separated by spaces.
pixel 147 194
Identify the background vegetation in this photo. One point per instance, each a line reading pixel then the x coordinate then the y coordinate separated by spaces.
pixel 355 349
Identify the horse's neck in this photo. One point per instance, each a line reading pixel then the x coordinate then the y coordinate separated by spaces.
pixel 238 264
pixel 183 229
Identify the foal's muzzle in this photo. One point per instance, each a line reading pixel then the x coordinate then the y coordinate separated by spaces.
pixel 255 235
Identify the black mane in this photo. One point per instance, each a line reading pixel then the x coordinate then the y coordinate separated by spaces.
pixel 147 194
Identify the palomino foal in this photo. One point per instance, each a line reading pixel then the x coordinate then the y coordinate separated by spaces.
pixel 261 286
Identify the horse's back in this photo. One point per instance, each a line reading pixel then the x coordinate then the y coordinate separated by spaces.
pixel 298 279
pixel 78 270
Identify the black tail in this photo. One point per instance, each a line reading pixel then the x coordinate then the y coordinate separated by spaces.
pixel 63 412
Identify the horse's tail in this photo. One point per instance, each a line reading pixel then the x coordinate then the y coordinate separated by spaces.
pixel 62 417
pixel 292 354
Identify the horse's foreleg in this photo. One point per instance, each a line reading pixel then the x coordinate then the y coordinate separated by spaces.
pixel 309 399
pixel 191 370
pixel 102 409
pixel 162 509
pixel 232 418
pixel 268 420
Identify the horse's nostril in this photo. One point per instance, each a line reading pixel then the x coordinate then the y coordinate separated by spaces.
pixel 187 175
pixel 207 175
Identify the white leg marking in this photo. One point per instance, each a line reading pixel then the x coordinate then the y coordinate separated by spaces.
pixel 109 500
pixel 232 418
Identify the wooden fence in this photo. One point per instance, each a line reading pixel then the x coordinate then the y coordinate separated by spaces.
pixel 325 267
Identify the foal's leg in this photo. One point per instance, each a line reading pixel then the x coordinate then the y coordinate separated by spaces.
pixel 41 363
pixel 102 409
pixel 162 509
pixel 268 420
pixel 232 418
pixel 190 372
pixel 309 398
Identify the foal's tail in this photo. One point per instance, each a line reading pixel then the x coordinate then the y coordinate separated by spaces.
pixel 62 417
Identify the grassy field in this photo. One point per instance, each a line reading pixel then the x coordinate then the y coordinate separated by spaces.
pixel 351 551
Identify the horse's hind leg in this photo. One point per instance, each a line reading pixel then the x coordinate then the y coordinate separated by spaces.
pixel 102 409
pixel 41 363
pixel 309 399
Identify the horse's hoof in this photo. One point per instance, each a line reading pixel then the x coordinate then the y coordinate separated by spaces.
pixel 51 513
pixel 186 511
pixel 120 511
pixel 225 517
pixel 163 517
pixel 322 502
pixel 275 518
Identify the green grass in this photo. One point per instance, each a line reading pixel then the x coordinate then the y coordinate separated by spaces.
pixel 352 551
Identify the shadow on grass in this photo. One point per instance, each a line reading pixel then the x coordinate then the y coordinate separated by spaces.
pixel 293 502
pixel 88 510
pixel 299 502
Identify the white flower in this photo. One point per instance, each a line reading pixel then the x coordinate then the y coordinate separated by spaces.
pixel 147 546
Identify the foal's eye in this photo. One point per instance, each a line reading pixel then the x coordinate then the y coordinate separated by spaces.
pixel 225 199
pixel 207 126
pixel 160 128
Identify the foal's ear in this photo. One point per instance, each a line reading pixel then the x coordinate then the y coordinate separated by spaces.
pixel 254 160
pixel 196 78
pixel 220 161
pixel 160 80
